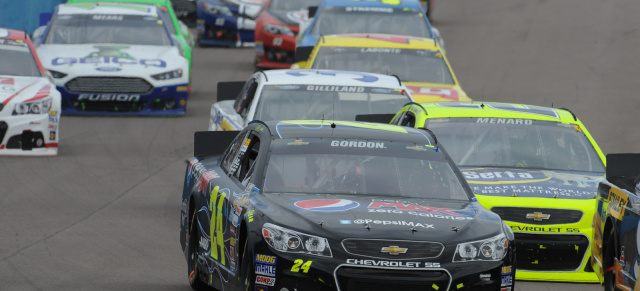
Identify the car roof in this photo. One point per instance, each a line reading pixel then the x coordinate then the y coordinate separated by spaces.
pixel 374 3
pixel 497 110
pixel 12 34
pixel 347 129
pixel 330 77
pixel 378 40
pixel 91 8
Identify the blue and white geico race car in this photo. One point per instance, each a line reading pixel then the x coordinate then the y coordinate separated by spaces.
pixel 307 94
pixel 227 22
pixel 114 58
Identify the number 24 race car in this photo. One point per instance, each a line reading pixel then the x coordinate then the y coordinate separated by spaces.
pixel 321 205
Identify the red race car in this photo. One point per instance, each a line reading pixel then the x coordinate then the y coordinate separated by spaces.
pixel 276 29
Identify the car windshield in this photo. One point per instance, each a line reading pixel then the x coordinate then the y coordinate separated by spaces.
pixel 282 102
pixel 167 17
pixel 400 21
pixel 410 65
pixel 515 143
pixel 103 28
pixel 16 59
pixel 291 5
pixel 362 167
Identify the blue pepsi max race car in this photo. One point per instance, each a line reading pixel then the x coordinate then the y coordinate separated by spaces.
pixel 227 22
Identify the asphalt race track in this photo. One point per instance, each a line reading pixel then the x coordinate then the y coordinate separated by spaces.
pixel 104 214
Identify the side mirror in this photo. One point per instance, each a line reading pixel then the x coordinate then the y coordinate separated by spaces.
pixel 312 11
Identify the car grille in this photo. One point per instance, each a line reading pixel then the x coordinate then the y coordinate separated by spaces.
pixel 108 106
pixel 549 252
pixel 351 279
pixel 3 130
pixel 556 216
pixel 279 56
pixel 373 248
pixel 119 85
pixel 221 34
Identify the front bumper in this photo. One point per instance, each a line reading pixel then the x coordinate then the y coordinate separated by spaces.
pixel 29 134
pixel 225 30
pixel 275 51
pixel 549 252
pixel 167 100
pixel 326 274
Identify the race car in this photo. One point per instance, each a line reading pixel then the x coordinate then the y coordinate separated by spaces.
pixel 227 22
pixel 305 94
pixel 114 59
pixel 178 29
pixel 336 205
pixel 276 29
pixel 419 62
pixel 405 17
pixel 537 167
pixel 615 250
pixel 187 11
pixel 29 101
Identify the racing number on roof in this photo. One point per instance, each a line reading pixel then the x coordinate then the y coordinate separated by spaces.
pixel 356 76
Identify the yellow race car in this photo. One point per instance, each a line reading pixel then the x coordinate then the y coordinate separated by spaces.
pixel 537 167
pixel 418 62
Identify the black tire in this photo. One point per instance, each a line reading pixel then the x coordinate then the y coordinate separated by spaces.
pixel 192 259
pixel 246 272
pixel 609 262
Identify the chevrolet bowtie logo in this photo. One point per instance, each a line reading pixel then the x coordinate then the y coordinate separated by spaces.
pixel 538 216
pixel 394 250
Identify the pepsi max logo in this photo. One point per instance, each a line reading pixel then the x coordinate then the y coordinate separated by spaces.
pixel 327 205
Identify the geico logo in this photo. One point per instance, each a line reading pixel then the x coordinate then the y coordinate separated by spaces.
pixel 265 259
pixel 109 97
pixel 357 144
pixel 109 60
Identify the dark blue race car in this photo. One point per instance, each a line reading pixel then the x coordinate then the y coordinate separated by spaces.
pixel 227 22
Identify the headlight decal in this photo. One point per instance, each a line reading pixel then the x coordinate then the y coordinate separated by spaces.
pixel 491 249
pixel 290 241
pixel 168 75
pixel 277 29
pixel 40 103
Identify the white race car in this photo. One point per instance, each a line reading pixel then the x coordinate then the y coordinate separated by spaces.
pixel 306 94
pixel 115 59
pixel 29 102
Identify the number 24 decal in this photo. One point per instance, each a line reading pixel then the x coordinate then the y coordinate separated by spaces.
pixel 300 264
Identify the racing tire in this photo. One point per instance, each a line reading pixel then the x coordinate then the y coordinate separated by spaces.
pixel 609 282
pixel 245 267
pixel 192 259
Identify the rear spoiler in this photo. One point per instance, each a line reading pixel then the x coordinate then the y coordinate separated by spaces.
pixel 212 143
pixel 623 170
pixel 379 118
pixel 229 90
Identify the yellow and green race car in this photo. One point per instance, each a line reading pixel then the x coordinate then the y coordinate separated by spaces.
pixel 537 167
pixel 419 62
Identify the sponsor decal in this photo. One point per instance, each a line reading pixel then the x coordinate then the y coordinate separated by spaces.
pixel 408 206
pixel 110 97
pixel 265 259
pixel 544 229
pixel 288 87
pixel 345 221
pixel 507 280
pixel 393 263
pixel 394 222
pixel 261 288
pixel 232 230
pixel 505 289
pixel 108 17
pixel 327 205
pixel 202 175
pixel 53 113
pixel 53 119
pixel 298 142
pixel 505 121
pixel 499 174
pixel 232 241
pixel 350 89
pixel 507 270
pixel 617 203
pixel 52 135
pixel 127 60
pixel 250 215
pixel 266 270
pixel 232 253
pixel 182 89
pixel 108 69
pixel 380 50
pixel 368 9
pixel 394 250
pixel 204 243
pixel 269 281
pixel 357 144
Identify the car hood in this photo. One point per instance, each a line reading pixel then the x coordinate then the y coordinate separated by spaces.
pixel 14 89
pixel 107 59
pixel 432 92
pixel 507 182
pixel 345 216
